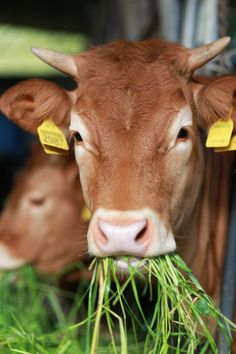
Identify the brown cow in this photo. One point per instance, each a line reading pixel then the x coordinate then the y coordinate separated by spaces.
pixel 139 120
pixel 42 223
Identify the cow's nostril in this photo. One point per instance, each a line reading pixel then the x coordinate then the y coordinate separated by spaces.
pixel 140 236
pixel 102 238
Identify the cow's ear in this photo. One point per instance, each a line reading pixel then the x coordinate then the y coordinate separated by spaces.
pixel 215 98
pixel 30 102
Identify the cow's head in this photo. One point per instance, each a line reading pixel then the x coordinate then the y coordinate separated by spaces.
pixel 41 222
pixel 136 117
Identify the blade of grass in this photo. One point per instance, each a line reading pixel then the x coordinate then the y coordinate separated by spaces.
pixel 102 285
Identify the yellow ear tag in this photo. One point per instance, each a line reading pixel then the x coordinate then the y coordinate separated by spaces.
pixel 220 133
pixel 230 147
pixel 85 214
pixel 50 150
pixel 52 138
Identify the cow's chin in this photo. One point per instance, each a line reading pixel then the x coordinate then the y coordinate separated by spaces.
pixel 7 260
pixel 126 265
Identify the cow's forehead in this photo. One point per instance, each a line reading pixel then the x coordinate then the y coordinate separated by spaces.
pixel 130 87
pixel 132 77
pixel 143 133
pixel 120 109
pixel 131 57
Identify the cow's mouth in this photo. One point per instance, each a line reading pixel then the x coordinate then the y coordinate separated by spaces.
pixel 125 264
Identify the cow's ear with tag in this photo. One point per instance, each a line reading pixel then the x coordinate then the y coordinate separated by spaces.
pixel 30 102
pixel 215 99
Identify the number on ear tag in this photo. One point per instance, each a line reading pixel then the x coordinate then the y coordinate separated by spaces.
pixel 52 138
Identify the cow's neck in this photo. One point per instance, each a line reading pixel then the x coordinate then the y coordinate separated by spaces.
pixel 208 230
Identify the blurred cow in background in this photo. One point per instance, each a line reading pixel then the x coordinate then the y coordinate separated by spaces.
pixel 42 221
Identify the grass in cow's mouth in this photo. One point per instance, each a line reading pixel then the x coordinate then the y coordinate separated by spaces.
pixel 179 318
pixel 164 310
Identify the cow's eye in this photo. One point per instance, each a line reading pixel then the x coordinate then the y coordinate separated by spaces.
pixel 183 134
pixel 77 137
pixel 37 201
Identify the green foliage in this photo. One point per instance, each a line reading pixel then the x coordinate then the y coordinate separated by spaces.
pixel 181 317
pixel 161 309
pixel 32 315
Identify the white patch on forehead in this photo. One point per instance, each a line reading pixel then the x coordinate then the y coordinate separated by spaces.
pixel 79 153
pixel 182 146
pixel 182 119
pixel 77 124
pixel 7 260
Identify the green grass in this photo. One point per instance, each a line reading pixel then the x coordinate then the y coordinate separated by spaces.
pixel 32 315
pixel 179 318
pixel 161 310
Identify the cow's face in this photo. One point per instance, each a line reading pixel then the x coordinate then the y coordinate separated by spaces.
pixel 139 158
pixel 136 139
pixel 41 222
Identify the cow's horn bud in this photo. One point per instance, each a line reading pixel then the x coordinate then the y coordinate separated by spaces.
pixel 200 56
pixel 62 62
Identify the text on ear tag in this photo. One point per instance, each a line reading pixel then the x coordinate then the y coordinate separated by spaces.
pixel 52 138
pixel 219 134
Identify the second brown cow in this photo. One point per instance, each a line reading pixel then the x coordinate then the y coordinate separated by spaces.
pixel 42 221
